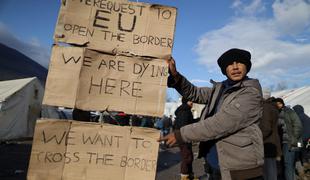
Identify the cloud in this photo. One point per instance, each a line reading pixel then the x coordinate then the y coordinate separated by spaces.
pixel 291 16
pixel 200 81
pixel 255 7
pixel 32 49
pixel 276 57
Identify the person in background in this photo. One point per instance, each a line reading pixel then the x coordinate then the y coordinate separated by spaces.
pixel 231 117
pixel 303 155
pixel 122 118
pixel 167 124
pixel 272 146
pixel 305 121
pixel 184 116
pixel 135 120
pixel 81 115
pixel 147 121
pixel 291 133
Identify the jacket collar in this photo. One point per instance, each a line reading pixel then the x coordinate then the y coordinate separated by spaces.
pixel 246 82
pixel 229 83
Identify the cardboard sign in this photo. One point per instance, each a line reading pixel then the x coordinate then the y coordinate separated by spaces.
pixel 90 80
pixel 115 26
pixel 72 150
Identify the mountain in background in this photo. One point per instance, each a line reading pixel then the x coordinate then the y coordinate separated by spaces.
pixel 15 65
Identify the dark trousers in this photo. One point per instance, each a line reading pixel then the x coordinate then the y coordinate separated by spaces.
pixel 214 173
pixel 270 169
pixel 305 153
pixel 186 158
pixel 289 162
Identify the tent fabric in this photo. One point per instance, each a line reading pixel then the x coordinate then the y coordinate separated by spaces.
pixel 297 96
pixel 51 112
pixel 20 107
pixel 291 97
pixel 8 88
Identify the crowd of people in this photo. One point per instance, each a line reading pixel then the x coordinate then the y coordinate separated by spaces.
pixel 285 139
pixel 244 134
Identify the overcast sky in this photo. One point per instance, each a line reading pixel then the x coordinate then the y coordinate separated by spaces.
pixel 277 33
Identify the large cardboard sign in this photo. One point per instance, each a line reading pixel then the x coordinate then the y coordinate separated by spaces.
pixel 72 150
pixel 90 80
pixel 115 26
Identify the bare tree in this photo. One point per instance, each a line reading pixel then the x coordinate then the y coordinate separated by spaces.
pixel 272 87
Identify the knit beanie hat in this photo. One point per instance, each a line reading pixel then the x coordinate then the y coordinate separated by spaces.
pixel 238 55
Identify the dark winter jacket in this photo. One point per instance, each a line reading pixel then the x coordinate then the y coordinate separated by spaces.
pixel 183 116
pixel 305 121
pixel 269 127
pixel 291 126
pixel 234 125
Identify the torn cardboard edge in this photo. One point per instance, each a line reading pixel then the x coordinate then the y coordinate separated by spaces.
pixel 62 137
pixel 124 47
pixel 115 52
pixel 58 95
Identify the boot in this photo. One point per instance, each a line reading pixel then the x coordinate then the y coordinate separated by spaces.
pixel 192 177
pixel 185 177
pixel 188 177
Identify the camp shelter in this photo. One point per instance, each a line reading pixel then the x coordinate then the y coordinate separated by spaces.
pixel 297 96
pixel 20 105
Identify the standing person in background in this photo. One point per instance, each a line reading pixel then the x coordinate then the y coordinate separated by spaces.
pixel 272 146
pixel 303 155
pixel 81 115
pixel 305 121
pixel 135 120
pixel 231 117
pixel 122 118
pixel 184 116
pixel 147 121
pixel 167 124
pixel 291 134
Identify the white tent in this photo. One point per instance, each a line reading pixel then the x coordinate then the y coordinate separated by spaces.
pixel 20 105
pixel 298 96
pixel 291 97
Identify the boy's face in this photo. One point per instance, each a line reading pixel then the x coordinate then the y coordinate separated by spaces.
pixel 236 71
pixel 279 105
